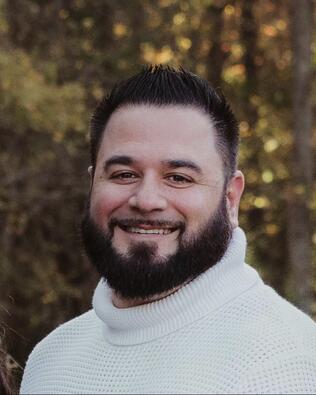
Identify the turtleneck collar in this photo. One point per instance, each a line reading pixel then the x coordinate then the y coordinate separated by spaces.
pixel 207 292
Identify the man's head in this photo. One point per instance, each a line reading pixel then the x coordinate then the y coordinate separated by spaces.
pixel 165 190
pixel 163 86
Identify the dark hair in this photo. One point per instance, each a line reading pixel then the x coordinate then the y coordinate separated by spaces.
pixel 162 86
pixel 5 377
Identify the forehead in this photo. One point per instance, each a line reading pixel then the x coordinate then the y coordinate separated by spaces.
pixel 161 133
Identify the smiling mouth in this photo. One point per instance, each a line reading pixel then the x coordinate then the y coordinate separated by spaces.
pixel 148 231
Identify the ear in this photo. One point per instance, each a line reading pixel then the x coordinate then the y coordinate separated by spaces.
pixel 90 172
pixel 234 191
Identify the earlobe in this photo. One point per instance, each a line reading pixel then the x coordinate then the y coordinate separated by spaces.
pixel 90 172
pixel 234 191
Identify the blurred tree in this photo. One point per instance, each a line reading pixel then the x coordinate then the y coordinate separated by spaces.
pixel 214 16
pixel 300 192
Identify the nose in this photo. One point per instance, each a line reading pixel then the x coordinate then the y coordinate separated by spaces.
pixel 148 197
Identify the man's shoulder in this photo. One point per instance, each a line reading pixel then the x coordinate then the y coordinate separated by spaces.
pixel 288 313
pixel 63 342
pixel 283 340
pixel 277 317
pixel 72 331
pixel 275 343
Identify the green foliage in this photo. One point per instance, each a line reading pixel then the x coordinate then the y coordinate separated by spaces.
pixel 29 101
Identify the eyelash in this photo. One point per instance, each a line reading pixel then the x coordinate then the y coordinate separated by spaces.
pixel 183 178
pixel 122 176
pixel 128 176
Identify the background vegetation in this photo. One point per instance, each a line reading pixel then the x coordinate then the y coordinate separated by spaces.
pixel 57 59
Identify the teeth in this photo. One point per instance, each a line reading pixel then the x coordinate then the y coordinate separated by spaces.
pixel 149 231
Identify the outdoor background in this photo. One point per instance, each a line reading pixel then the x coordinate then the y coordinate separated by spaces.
pixel 58 58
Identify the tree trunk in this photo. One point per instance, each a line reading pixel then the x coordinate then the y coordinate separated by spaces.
pixel 299 224
pixel 216 57
pixel 249 37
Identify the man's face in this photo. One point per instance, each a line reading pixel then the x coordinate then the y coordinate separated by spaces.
pixel 144 171
pixel 158 183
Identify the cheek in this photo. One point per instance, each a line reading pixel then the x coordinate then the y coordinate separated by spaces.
pixel 197 208
pixel 104 202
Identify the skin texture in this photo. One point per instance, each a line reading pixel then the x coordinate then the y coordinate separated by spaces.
pixel 159 164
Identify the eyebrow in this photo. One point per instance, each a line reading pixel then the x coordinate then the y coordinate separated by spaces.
pixel 176 163
pixel 172 163
pixel 117 160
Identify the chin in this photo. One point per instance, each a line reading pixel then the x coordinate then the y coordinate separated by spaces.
pixel 158 252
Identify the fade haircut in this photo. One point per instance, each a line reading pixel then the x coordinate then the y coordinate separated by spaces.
pixel 163 86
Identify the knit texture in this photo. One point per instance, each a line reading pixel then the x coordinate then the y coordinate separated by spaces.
pixel 224 332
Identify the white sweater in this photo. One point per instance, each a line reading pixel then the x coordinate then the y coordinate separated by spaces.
pixel 224 332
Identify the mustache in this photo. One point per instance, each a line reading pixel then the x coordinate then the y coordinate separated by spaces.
pixel 134 222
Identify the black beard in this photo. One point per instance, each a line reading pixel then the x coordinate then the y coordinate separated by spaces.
pixel 141 274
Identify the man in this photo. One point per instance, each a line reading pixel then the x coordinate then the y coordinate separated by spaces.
pixel 177 310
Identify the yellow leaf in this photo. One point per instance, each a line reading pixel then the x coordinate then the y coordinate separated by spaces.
pixel 119 30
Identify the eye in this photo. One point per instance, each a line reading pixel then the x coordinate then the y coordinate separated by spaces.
pixel 124 177
pixel 179 180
